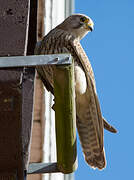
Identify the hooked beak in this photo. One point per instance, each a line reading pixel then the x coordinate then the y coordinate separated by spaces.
pixel 89 27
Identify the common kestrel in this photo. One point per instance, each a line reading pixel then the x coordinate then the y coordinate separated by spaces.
pixel 65 38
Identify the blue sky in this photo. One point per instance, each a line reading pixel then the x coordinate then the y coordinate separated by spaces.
pixel 110 48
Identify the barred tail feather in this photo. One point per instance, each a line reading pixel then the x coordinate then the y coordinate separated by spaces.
pixel 94 155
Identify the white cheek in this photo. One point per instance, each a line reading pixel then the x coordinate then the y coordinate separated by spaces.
pixel 80 80
pixel 83 32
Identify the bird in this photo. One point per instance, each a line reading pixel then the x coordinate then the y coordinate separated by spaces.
pixel 65 38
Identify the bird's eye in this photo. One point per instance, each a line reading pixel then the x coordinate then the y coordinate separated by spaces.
pixel 83 19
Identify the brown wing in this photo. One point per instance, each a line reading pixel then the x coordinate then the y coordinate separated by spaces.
pixel 40 70
pixel 92 145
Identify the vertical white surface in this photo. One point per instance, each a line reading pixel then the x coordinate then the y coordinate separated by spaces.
pixel 55 13
pixel 58 12
pixel 49 139
pixel 69 6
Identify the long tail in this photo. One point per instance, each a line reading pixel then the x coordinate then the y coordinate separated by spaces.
pixel 93 152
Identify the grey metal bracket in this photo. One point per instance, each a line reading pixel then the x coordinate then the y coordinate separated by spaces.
pixel 40 168
pixel 36 60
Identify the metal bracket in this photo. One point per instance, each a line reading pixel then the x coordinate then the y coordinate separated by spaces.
pixel 40 168
pixel 36 60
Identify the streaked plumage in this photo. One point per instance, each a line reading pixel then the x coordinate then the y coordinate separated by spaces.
pixel 90 123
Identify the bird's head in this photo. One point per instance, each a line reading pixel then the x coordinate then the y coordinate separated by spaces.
pixel 78 25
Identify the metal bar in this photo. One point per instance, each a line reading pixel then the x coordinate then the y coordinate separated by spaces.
pixel 40 168
pixel 36 60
